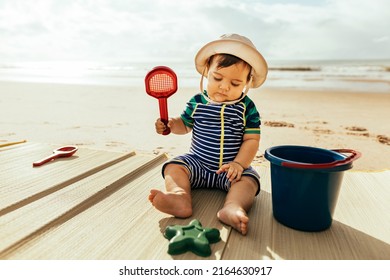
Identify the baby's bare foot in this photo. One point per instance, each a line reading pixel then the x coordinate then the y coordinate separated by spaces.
pixel 153 194
pixel 234 216
pixel 176 204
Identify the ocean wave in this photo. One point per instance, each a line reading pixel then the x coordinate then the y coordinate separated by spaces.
pixel 294 68
pixel 324 74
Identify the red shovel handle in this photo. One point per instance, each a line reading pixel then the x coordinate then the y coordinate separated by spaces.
pixel 46 159
pixel 65 151
pixel 354 156
pixel 162 102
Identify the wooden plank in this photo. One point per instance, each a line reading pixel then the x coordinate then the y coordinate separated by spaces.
pixel 27 223
pixel 117 221
pixel 123 226
pixel 206 204
pixel 364 203
pixel 21 184
pixel 340 242
pixel 360 229
pixel 255 245
pixel 8 144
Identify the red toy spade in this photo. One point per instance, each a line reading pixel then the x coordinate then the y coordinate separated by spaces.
pixel 66 151
pixel 161 83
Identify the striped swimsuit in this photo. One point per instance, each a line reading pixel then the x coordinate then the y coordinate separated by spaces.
pixel 217 133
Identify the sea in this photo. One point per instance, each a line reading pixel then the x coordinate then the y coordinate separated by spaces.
pixel 347 75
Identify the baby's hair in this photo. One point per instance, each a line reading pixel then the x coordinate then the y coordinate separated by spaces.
pixel 226 60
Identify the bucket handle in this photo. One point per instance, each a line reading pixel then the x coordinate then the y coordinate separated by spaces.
pixel 354 156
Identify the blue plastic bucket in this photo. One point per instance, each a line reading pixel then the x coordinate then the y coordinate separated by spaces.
pixel 305 183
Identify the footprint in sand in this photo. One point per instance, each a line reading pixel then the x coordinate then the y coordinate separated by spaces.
pixel 86 144
pixel 383 139
pixel 361 131
pixel 318 129
pixel 357 130
pixel 259 158
pixel 115 144
pixel 322 130
pixel 317 122
pixel 278 124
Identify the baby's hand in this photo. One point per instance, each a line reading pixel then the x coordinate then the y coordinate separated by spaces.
pixel 234 171
pixel 160 126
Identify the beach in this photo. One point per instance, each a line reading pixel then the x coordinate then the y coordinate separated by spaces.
pixel 121 118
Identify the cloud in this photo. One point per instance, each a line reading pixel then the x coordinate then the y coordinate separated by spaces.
pixel 137 29
pixel 338 29
pixel 382 39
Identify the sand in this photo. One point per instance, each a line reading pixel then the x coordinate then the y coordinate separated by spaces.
pixel 121 119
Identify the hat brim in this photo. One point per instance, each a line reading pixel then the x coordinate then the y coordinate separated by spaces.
pixel 239 49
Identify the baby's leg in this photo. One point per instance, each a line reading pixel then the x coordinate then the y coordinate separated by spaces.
pixel 176 200
pixel 238 202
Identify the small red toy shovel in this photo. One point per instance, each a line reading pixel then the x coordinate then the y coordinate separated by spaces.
pixel 66 151
pixel 161 83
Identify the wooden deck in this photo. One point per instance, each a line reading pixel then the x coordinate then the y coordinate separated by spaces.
pixel 94 205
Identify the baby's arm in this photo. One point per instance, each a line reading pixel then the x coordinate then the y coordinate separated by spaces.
pixel 248 150
pixel 176 125
pixel 244 158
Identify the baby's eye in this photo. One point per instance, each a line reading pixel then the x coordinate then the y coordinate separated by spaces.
pixel 235 85
pixel 217 79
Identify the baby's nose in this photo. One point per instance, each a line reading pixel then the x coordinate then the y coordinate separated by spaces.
pixel 224 86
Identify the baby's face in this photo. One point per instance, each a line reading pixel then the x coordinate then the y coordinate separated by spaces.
pixel 226 84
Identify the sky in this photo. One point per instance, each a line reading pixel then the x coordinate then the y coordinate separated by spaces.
pixel 127 30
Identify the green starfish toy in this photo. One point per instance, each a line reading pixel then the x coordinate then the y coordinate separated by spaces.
pixel 192 237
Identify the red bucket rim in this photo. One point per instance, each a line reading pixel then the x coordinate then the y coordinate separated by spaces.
pixel 341 160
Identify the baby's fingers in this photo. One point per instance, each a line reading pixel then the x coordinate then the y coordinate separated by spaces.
pixel 223 168
pixel 160 126
pixel 234 174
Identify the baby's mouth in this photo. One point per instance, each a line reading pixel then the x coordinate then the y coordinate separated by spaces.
pixel 221 94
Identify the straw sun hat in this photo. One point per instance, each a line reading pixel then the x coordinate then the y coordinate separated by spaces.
pixel 238 46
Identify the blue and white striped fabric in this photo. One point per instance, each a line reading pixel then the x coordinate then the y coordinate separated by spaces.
pixel 218 129
pixel 217 135
pixel 201 177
